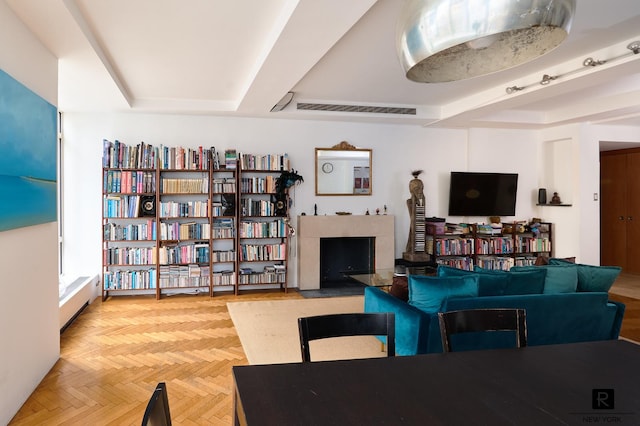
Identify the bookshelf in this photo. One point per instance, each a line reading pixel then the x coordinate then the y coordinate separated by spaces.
pixel 129 225
pixel 224 241
pixel 464 246
pixel 262 228
pixel 179 220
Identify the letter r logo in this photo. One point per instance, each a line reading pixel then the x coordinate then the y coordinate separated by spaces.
pixel 602 399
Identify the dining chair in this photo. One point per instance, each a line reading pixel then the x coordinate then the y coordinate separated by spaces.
pixel 347 324
pixel 483 320
pixel 157 411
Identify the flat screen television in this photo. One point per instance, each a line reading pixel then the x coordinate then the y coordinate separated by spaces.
pixel 483 194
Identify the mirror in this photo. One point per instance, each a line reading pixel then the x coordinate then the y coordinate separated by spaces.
pixel 343 170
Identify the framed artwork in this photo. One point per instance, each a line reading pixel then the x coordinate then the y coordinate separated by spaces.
pixel 28 134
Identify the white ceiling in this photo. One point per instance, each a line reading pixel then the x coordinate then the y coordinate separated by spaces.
pixel 241 57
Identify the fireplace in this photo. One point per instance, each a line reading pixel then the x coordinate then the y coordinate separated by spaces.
pixel 344 256
pixel 312 229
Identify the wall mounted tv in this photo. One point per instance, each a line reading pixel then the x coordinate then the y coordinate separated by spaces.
pixel 483 194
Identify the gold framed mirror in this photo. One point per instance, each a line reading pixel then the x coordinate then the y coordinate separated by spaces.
pixel 344 170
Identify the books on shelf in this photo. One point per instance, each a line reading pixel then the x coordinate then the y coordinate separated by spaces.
pixel 119 155
pixel 264 162
pixel 230 159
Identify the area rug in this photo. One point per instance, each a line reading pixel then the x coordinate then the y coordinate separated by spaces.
pixel 268 330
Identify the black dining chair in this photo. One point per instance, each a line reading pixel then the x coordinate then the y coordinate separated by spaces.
pixel 157 412
pixel 483 320
pixel 348 324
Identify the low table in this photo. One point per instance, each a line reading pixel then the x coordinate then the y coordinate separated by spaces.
pixel 384 277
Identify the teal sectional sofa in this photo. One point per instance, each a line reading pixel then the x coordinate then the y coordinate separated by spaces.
pixel 560 315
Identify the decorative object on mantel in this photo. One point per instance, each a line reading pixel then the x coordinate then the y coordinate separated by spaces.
pixel 555 199
pixel 385 209
pixel 415 250
pixel 343 213
pixel 378 211
pixel 367 213
pixel 315 210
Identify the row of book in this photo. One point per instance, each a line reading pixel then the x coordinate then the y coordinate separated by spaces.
pixel 187 253
pixel 532 244
pixel 145 156
pixel 264 162
pixel 465 263
pixel 172 276
pixel 252 207
pixel 185 185
pixel 272 274
pixel 121 206
pixel 495 263
pixel 129 256
pixel 119 155
pixel 255 229
pixel 223 185
pixel 184 209
pixel 258 185
pixel 179 158
pixel 223 228
pixel 184 231
pixel 129 181
pixel 145 231
pixel 262 252
pixel 130 280
pixel 221 256
pixel 500 245
pixel 224 278
pixel 450 246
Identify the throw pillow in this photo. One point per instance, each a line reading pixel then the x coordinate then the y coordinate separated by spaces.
pixel 592 277
pixel 427 293
pixel 400 288
pixel 488 284
pixel 559 278
pixel 520 282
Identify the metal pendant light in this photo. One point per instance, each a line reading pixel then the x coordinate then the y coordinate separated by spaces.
pixel 448 40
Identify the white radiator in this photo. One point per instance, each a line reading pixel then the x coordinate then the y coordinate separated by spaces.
pixel 75 298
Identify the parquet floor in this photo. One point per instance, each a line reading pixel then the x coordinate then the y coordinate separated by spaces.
pixel 113 355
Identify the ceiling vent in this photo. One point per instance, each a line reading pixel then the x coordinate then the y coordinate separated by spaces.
pixel 356 108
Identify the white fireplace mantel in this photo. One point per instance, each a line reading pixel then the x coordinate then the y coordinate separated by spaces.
pixel 312 228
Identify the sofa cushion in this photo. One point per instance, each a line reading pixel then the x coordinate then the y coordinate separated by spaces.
pixel 427 293
pixel 591 277
pixel 488 284
pixel 519 282
pixel 559 278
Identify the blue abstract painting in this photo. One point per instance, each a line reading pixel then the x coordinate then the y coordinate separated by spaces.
pixel 27 156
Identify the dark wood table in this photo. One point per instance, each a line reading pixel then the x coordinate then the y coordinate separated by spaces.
pixel 571 384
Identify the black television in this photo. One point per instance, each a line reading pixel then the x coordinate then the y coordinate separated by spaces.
pixel 482 194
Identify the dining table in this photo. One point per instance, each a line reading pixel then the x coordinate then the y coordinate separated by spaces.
pixel 566 384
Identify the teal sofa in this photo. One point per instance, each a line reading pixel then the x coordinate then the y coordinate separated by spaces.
pixel 552 318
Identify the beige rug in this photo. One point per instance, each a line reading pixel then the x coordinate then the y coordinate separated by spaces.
pixel 268 330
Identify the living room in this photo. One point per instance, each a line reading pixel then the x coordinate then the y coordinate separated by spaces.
pixel 562 156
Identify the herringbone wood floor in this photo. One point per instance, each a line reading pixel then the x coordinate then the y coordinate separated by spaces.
pixel 113 355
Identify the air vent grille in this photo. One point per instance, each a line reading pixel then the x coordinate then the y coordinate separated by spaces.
pixel 356 108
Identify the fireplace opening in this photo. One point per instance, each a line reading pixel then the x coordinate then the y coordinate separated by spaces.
pixel 344 256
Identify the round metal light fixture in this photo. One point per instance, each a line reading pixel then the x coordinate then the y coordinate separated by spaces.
pixel 448 40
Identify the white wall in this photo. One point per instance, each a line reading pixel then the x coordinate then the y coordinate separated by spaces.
pixel 28 256
pixel 397 151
